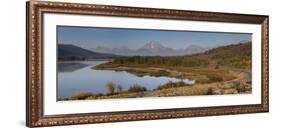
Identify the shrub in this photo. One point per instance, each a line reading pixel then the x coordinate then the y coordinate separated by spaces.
pixel 119 88
pixel 80 96
pixel 171 85
pixel 137 88
pixel 178 61
pixel 215 78
pixel 161 73
pixel 210 91
pixel 110 87
pixel 244 88
pixel 217 66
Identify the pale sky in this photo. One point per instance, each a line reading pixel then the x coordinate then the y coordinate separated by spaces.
pixel 135 38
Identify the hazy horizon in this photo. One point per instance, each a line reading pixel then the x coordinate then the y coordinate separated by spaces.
pixel 92 37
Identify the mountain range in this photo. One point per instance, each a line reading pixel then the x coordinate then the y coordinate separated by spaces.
pixel 73 52
pixel 223 53
pixel 152 48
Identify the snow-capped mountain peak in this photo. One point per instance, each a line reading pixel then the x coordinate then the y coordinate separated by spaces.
pixel 152 48
pixel 153 45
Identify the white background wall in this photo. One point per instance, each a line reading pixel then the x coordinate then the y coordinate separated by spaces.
pixel 12 64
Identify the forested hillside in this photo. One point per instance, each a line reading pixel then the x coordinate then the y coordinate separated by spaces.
pixel 234 56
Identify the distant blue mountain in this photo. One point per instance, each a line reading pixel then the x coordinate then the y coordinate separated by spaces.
pixel 153 48
pixel 72 52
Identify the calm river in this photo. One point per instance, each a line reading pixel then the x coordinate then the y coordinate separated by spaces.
pixel 78 76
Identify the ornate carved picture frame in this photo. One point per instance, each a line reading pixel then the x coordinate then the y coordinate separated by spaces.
pixel 37 57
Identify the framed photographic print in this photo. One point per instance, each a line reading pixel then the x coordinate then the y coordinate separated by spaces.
pixel 95 63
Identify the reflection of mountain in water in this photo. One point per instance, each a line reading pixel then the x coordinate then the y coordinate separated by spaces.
pixel 72 52
pixel 70 67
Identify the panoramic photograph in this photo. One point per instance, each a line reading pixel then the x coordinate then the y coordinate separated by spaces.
pixel 96 63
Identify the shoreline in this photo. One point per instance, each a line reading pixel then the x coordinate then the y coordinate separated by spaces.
pixel 61 61
pixel 201 75
pixel 184 90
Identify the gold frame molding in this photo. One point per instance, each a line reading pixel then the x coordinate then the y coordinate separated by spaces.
pixel 34 66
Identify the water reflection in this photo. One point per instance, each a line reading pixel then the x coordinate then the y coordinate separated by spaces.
pixel 70 66
pixel 80 77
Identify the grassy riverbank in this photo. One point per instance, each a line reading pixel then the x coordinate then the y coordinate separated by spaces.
pixel 167 90
pixel 201 75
